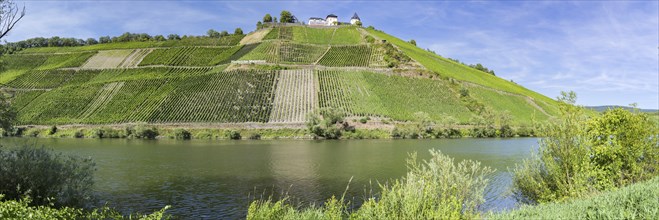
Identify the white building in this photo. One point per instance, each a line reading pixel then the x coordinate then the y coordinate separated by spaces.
pixel 354 19
pixel 332 19
pixel 317 22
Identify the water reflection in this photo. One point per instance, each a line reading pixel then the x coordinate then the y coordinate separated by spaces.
pixel 212 179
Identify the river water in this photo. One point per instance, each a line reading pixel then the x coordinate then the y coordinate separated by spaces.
pixel 218 179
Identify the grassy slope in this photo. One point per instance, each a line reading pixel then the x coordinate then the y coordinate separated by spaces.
pixel 448 68
pixel 638 201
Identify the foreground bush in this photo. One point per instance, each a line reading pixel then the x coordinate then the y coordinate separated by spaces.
pixel 581 155
pixel 638 201
pixel 433 189
pixel 12 209
pixel 46 177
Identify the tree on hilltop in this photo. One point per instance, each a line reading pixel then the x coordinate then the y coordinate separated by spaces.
pixel 286 17
pixel 267 18
pixel 213 33
pixel 238 31
pixel 224 34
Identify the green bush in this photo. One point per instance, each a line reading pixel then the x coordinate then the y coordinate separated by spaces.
pixel 234 135
pixel 142 131
pixel 581 156
pixel 327 123
pixel 47 177
pixel 433 189
pixel 182 134
pixel 52 130
pixel 21 209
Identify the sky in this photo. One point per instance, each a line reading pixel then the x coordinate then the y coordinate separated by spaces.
pixel 605 51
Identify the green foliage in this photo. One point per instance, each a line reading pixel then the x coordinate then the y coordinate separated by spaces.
pixel 580 156
pixel 285 17
pixel 227 40
pixel 238 31
pixel 8 114
pixel 21 209
pixel 347 56
pixel 267 18
pixel 637 201
pixel 66 60
pixel 346 36
pixel 327 123
pixel 233 135
pixel 182 134
pixel 432 189
pixel 142 131
pixel 47 177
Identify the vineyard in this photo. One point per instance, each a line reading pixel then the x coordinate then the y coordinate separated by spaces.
pixel 59 106
pixel 313 35
pixel 300 53
pixel 236 96
pixel 104 95
pixel 189 56
pixel 107 59
pixel 48 79
pixel 347 56
pixel 350 92
pixel 268 51
pixel 516 105
pixel 365 93
pixel 295 96
pixel 346 36
pixel 65 60
pixel 192 80
pixel 135 58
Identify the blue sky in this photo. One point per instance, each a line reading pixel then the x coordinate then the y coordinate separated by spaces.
pixel 605 51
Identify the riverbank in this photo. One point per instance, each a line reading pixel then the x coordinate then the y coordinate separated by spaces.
pixel 257 131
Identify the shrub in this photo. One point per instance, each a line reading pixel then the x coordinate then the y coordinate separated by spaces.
pixel 21 209
pixel 255 136
pixel 433 189
pixel 79 134
pixel 580 156
pixel 506 131
pixel 52 130
pixel 363 120
pixel 142 131
pixel 43 175
pixel 234 135
pixel 327 123
pixel 525 132
pixel 182 134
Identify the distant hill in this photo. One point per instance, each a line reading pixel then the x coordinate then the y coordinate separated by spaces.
pixel 275 75
pixel 606 107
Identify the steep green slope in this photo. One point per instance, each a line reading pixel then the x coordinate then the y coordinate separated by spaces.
pixel 448 68
pixel 185 81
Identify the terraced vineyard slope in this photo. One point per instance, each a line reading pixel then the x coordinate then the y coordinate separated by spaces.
pixel 273 76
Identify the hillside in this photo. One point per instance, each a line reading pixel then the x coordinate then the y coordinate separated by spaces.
pixel 294 70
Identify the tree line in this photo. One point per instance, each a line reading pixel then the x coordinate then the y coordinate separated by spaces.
pixel 56 41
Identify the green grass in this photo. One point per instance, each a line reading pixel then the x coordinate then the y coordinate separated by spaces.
pixel 637 201
pixel 189 56
pixel 347 36
pixel 347 56
pixel 447 68
pixel 397 97
pixel 236 96
pixel 518 106
pixel 312 35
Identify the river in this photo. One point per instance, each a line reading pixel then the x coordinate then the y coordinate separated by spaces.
pixel 218 179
